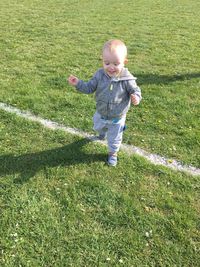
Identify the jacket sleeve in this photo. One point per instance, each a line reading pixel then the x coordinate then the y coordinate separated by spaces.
pixel 88 87
pixel 133 88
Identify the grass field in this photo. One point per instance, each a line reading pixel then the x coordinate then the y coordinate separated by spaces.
pixel 60 204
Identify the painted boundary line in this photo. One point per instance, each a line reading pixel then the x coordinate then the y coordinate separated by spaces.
pixel 153 158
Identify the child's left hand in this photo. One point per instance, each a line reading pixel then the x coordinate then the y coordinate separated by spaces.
pixel 135 100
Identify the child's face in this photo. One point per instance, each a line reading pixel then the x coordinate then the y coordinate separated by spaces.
pixel 113 62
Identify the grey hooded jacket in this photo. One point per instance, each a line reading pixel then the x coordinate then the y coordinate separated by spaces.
pixel 112 94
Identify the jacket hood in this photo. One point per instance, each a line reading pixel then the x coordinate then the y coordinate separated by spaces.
pixel 126 75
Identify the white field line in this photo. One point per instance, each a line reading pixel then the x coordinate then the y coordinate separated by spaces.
pixel 153 158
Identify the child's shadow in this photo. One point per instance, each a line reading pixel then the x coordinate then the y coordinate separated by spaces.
pixel 27 165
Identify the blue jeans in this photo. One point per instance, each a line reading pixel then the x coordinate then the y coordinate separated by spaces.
pixel 114 129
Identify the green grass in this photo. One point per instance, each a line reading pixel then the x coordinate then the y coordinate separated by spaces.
pixel 61 205
pixel 42 43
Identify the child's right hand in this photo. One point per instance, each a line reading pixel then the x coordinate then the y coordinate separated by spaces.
pixel 73 80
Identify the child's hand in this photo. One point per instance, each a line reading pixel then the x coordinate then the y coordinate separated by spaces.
pixel 73 80
pixel 135 100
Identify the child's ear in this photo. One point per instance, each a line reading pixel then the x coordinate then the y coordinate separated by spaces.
pixel 126 61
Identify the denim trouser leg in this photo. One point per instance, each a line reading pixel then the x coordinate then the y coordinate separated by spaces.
pixel 114 131
pixel 99 124
pixel 115 134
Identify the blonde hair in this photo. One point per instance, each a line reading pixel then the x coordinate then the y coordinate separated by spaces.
pixel 115 45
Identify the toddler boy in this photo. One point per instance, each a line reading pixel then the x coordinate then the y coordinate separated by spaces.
pixel 115 88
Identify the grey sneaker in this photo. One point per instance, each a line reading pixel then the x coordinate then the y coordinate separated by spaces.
pixel 102 136
pixel 112 160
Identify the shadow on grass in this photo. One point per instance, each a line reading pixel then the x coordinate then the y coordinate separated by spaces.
pixel 27 165
pixel 165 79
pixel 60 82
